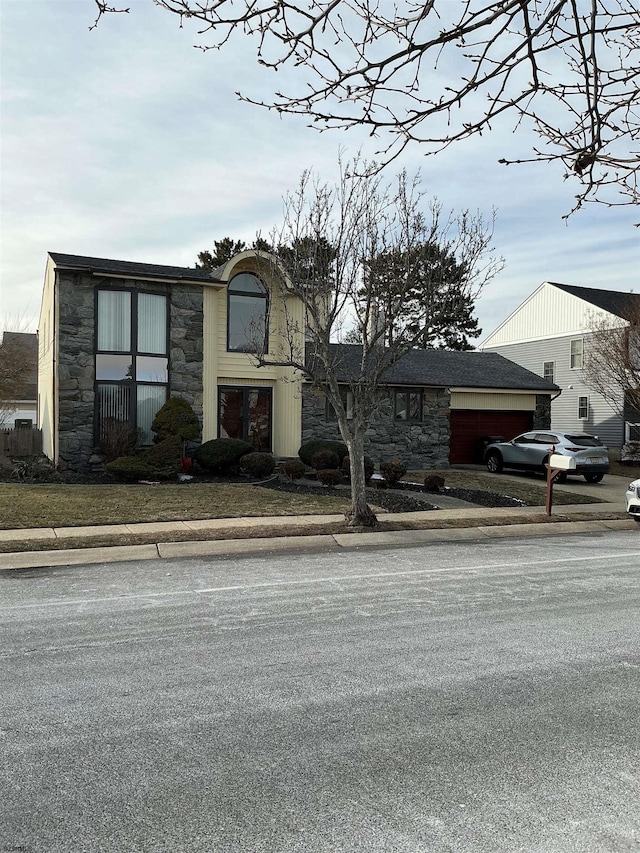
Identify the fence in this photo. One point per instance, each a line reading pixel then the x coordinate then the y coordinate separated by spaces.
pixel 20 442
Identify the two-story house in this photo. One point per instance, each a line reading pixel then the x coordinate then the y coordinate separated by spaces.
pixel 548 334
pixel 118 338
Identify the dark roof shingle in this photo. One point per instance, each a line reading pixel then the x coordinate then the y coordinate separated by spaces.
pixel 445 369
pixel 130 268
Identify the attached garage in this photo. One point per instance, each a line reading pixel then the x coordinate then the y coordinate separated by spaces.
pixel 469 427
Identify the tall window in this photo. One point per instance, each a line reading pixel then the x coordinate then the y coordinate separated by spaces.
pixel 132 365
pixel 247 307
pixel 548 370
pixel 407 405
pixel 245 413
pixel 576 354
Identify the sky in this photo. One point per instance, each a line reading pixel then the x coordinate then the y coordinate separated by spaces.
pixel 126 142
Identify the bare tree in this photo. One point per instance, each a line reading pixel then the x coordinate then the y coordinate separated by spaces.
pixel 320 269
pixel 612 357
pixel 16 370
pixel 438 72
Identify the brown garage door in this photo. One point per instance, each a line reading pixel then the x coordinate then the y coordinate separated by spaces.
pixel 468 426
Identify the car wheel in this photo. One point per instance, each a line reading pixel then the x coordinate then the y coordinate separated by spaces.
pixel 593 478
pixel 636 518
pixel 494 463
pixel 560 478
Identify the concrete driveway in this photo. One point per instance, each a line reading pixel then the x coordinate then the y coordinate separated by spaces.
pixel 611 489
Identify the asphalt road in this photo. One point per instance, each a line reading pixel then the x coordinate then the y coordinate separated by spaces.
pixel 478 697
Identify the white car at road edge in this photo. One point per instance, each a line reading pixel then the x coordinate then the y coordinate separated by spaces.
pixel 633 500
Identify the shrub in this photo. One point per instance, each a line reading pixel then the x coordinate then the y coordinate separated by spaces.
pixel 325 459
pixel 130 469
pixel 221 455
pixel 433 483
pixel 393 471
pixel 369 467
pixel 293 469
pixel 118 438
pixel 329 477
pixel 310 448
pixel 177 418
pixel 258 464
pixel 165 457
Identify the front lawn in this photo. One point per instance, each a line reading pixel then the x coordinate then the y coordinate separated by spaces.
pixel 26 505
pixel 72 505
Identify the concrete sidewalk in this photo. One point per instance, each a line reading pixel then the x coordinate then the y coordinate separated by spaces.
pixel 604 516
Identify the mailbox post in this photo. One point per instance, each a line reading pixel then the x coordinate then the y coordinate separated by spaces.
pixel 557 464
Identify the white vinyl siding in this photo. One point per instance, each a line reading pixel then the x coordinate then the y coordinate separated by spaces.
pixel 548 313
pixel 602 420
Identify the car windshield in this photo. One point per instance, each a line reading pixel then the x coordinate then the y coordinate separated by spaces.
pixel 584 440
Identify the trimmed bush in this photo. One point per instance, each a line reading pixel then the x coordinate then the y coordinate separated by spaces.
pixel 433 483
pixel 393 471
pixel 221 455
pixel 329 477
pixel 165 458
pixel 165 454
pixel 310 448
pixel 369 467
pixel 325 459
pixel 176 417
pixel 130 469
pixel 293 469
pixel 258 464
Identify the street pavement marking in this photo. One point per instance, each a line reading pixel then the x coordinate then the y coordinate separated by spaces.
pixel 617 556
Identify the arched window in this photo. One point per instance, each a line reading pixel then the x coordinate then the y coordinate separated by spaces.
pixel 247 306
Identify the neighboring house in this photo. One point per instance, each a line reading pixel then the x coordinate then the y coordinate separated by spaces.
pixel 118 338
pixel 549 335
pixel 22 412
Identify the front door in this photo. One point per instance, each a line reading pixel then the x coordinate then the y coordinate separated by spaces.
pixel 245 413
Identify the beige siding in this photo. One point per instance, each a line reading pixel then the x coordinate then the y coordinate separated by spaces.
pixel 485 401
pixel 547 313
pixel 236 368
pixel 47 390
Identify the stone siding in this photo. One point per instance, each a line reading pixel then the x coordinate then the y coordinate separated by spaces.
pixel 419 446
pixel 76 359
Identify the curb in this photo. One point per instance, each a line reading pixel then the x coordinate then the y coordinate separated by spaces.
pixel 331 542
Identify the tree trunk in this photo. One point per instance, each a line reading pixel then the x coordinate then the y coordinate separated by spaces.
pixel 360 514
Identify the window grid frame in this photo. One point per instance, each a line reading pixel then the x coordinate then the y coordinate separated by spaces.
pixel 130 384
pixel 407 392
pixel 267 309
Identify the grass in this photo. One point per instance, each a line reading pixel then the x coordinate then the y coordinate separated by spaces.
pixel 23 506
pixel 26 505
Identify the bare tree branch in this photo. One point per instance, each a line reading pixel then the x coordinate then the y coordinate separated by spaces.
pixel 439 72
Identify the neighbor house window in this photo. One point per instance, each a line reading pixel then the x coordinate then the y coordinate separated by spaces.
pixel 247 307
pixel 132 364
pixel 347 401
pixel 583 407
pixel 245 413
pixel 576 354
pixel 407 405
pixel 548 371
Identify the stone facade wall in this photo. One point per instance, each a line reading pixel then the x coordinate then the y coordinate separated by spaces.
pixel 542 414
pixel 76 359
pixel 424 445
